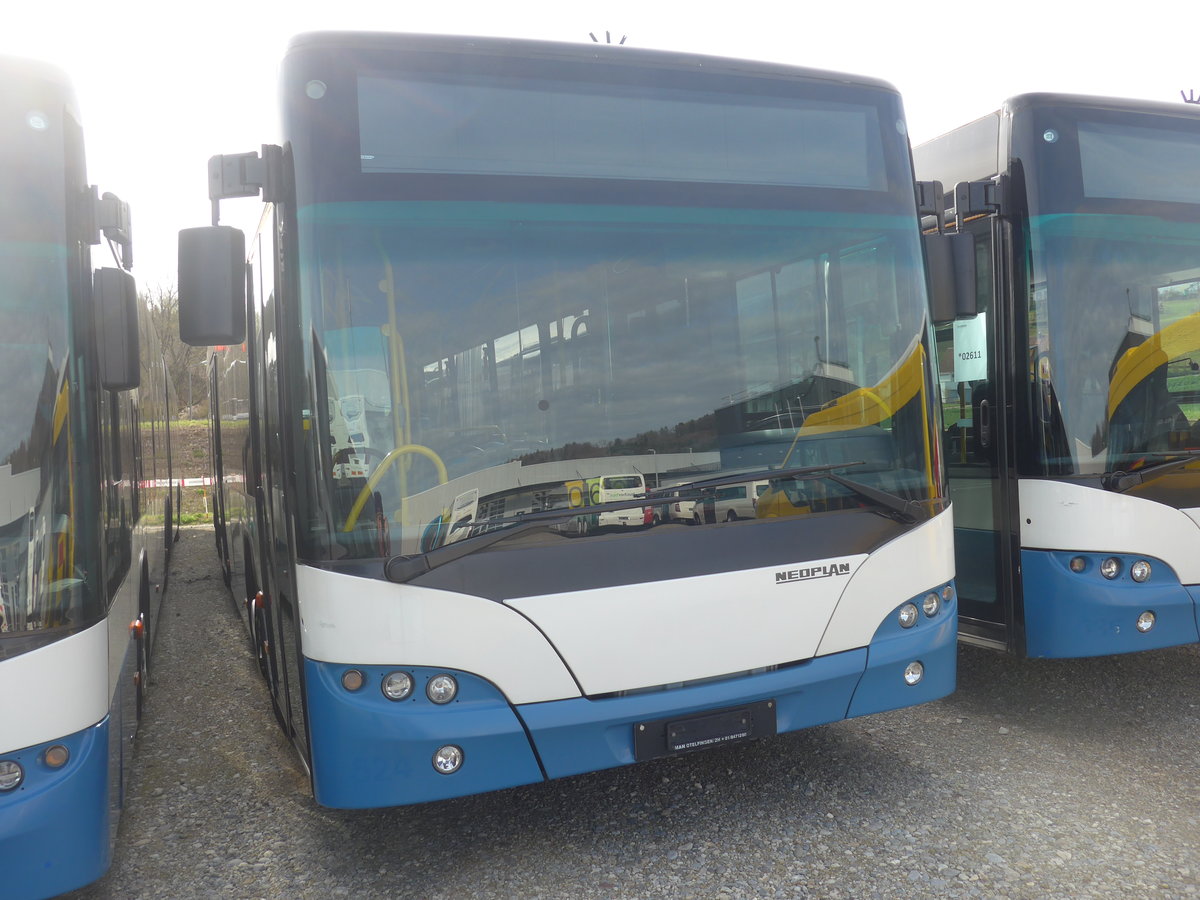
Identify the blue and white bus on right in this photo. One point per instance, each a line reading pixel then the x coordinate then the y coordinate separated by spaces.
pixel 1070 372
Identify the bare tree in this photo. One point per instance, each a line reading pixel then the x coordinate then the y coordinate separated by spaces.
pixel 184 363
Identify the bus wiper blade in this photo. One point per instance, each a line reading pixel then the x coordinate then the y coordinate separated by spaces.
pixel 663 494
pixel 1121 481
pixel 405 568
pixel 402 569
pixel 902 510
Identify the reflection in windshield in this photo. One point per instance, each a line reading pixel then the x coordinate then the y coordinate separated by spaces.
pixel 477 362
pixel 1114 339
pixel 40 586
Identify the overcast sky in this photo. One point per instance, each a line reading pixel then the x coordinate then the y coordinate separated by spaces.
pixel 164 85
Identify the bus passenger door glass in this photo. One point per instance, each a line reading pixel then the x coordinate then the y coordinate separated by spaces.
pixel 971 417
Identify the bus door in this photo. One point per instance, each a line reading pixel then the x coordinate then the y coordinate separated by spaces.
pixel 971 351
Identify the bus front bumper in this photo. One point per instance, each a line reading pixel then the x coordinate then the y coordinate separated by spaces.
pixel 369 751
pixel 1076 614
pixel 54 827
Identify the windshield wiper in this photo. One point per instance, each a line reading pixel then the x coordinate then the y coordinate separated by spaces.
pixel 1121 481
pixel 754 475
pixel 406 568
pixel 902 510
pixel 403 569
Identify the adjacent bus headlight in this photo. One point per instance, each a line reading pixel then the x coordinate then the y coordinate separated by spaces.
pixel 913 673
pixel 1110 568
pixel 442 689
pixel 1140 570
pixel 448 759
pixel 11 774
pixel 908 615
pixel 931 604
pixel 397 685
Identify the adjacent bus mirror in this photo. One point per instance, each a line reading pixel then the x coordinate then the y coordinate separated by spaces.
pixel 114 296
pixel 951 261
pixel 212 285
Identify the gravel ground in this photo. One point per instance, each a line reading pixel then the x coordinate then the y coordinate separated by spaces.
pixel 1071 779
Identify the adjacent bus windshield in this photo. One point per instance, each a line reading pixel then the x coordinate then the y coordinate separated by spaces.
pixel 532 295
pixel 85 520
pixel 1093 257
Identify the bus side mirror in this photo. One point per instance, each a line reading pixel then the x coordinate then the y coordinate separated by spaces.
pixel 114 296
pixel 212 285
pixel 951 262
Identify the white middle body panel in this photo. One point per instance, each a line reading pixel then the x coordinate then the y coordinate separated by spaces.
pixel 664 632
pixel 1059 516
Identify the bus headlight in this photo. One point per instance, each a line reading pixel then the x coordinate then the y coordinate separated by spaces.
pixel 11 774
pixel 931 604
pixel 908 615
pixel 1110 568
pixel 448 759
pixel 1140 571
pixel 913 673
pixel 1146 621
pixel 442 689
pixel 397 685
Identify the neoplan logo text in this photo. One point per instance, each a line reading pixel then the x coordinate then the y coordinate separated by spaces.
pixel 826 571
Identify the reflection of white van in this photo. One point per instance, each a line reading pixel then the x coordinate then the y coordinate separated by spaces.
pixel 729 502
pixel 610 488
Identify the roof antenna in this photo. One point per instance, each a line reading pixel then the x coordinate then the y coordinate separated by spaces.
pixel 625 37
pixel 1190 97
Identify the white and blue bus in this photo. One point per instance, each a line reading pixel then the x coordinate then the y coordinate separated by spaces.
pixel 85 513
pixel 498 269
pixel 1071 373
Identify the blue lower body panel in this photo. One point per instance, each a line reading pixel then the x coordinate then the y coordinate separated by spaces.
pixel 1075 614
pixel 54 828
pixel 370 751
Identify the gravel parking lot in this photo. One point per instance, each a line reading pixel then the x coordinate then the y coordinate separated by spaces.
pixel 1035 780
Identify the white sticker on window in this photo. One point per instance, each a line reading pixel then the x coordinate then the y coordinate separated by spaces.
pixel 970 349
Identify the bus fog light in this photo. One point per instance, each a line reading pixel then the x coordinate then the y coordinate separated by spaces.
pixel 1140 570
pixel 1078 564
pixel 448 759
pixel 1146 621
pixel 11 774
pixel 352 680
pixel 442 689
pixel 56 756
pixel 1110 568
pixel 908 615
pixel 397 685
pixel 913 673
pixel 931 604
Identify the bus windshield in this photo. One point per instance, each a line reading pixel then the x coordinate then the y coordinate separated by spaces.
pixel 41 584
pixel 1114 302
pixel 1115 338
pixel 474 334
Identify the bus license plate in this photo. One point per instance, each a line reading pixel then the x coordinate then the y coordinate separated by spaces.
pixel 712 729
